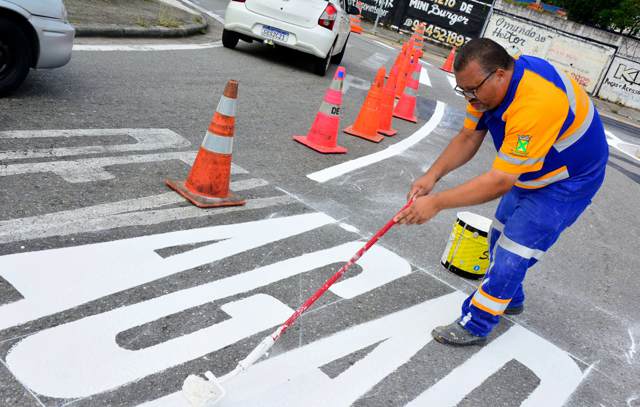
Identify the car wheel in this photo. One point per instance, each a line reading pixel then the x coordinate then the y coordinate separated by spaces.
pixel 15 56
pixel 336 59
pixel 229 39
pixel 322 64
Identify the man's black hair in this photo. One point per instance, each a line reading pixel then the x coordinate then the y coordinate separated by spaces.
pixel 488 53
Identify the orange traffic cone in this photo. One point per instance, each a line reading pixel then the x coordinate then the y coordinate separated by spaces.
pixel 208 182
pixel 356 20
pixel 406 107
pixel 323 136
pixel 404 73
pixel 366 124
pixel 448 64
pixel 355 24
pixel 386 105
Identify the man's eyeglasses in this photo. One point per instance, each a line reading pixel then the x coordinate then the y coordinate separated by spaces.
pixel 472 93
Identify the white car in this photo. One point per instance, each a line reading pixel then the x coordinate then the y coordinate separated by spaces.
pixel 317 27
pixel 33 34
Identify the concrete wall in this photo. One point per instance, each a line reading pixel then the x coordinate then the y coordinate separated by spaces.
pixel 604 63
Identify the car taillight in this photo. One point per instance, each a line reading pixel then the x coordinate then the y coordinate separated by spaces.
pixel 328 17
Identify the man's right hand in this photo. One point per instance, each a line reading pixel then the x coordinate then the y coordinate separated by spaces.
pixel 422 186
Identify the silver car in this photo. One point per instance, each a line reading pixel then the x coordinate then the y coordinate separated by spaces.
pixel 33 34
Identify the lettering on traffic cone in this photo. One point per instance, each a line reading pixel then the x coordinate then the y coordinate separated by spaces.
pixel 208 182
pixel 366 124
pixel 323 136
pixel 406 107
pixel 448 64
pixel 386 105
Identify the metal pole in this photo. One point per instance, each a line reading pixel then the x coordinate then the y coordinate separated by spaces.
pixel 378 12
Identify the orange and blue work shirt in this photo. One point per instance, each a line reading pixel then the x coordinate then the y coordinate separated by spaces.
pixel 547 130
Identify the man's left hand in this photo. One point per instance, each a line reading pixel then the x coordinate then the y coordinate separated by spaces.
pixel 423 209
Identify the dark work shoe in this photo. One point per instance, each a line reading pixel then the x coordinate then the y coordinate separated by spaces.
pixel 514 310
pixel 455 334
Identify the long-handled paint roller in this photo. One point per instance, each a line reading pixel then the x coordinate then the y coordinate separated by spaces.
pixel 207 392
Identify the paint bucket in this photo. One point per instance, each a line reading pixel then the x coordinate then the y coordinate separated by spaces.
pixel 467 251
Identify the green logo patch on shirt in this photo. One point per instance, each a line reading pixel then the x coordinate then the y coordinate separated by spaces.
pixel 522 145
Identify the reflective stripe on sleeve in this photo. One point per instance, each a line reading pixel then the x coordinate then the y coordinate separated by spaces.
pixel 517 161
pixel 554 176
pixel 571 94
pixel 566 142
pixel 217 144
pixel 472 118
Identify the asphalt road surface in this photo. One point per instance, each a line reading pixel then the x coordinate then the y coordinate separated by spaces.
pixel 113 289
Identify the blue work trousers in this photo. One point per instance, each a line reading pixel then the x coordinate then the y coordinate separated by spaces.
pixel 527 223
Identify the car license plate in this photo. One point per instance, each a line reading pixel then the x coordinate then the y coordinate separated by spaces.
pixel 274 33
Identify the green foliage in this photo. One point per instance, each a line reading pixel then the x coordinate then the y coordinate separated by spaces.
pixel 618 15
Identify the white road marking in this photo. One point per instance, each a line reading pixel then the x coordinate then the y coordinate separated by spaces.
pixel 424 77
pixel 558 379
pixel 140 211
pixel 93 169
pixel 51 281
pixel 629 149
pixel 395 149
pixel 146 139
pixel 425 63
pixel 92 361
pixel 294 378
pixel 452 81
pixel 146 47
pixel 203 10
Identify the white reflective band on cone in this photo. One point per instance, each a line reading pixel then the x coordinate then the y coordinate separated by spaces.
pixel 217 144
pixel 227 106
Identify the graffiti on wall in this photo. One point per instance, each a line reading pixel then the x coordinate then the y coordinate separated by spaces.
pixel 622 83
pixel 584 61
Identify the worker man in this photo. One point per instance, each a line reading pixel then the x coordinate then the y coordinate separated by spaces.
pixel 551 159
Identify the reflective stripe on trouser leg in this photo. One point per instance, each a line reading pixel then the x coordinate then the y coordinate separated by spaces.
pixel 533 222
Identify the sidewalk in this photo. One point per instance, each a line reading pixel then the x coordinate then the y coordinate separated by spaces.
pixel 134 18
pixel 436 54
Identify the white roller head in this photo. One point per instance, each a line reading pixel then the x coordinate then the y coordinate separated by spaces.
pixel 202 392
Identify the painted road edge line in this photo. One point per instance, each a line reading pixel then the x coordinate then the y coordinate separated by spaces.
pixel 395 149
pixel 146 47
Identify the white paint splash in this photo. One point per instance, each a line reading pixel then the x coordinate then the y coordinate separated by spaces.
pixel 632 349
pixel 146 47
pixel 395 149
pixel 349 228
pixel 631 399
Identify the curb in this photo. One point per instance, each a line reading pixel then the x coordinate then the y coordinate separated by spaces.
pixel 619 121
pixel 112 30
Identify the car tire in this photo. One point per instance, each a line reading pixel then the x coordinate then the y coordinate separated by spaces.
pixel 321 65
pixel 15 56
pixel 336 59
pixel 229 39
